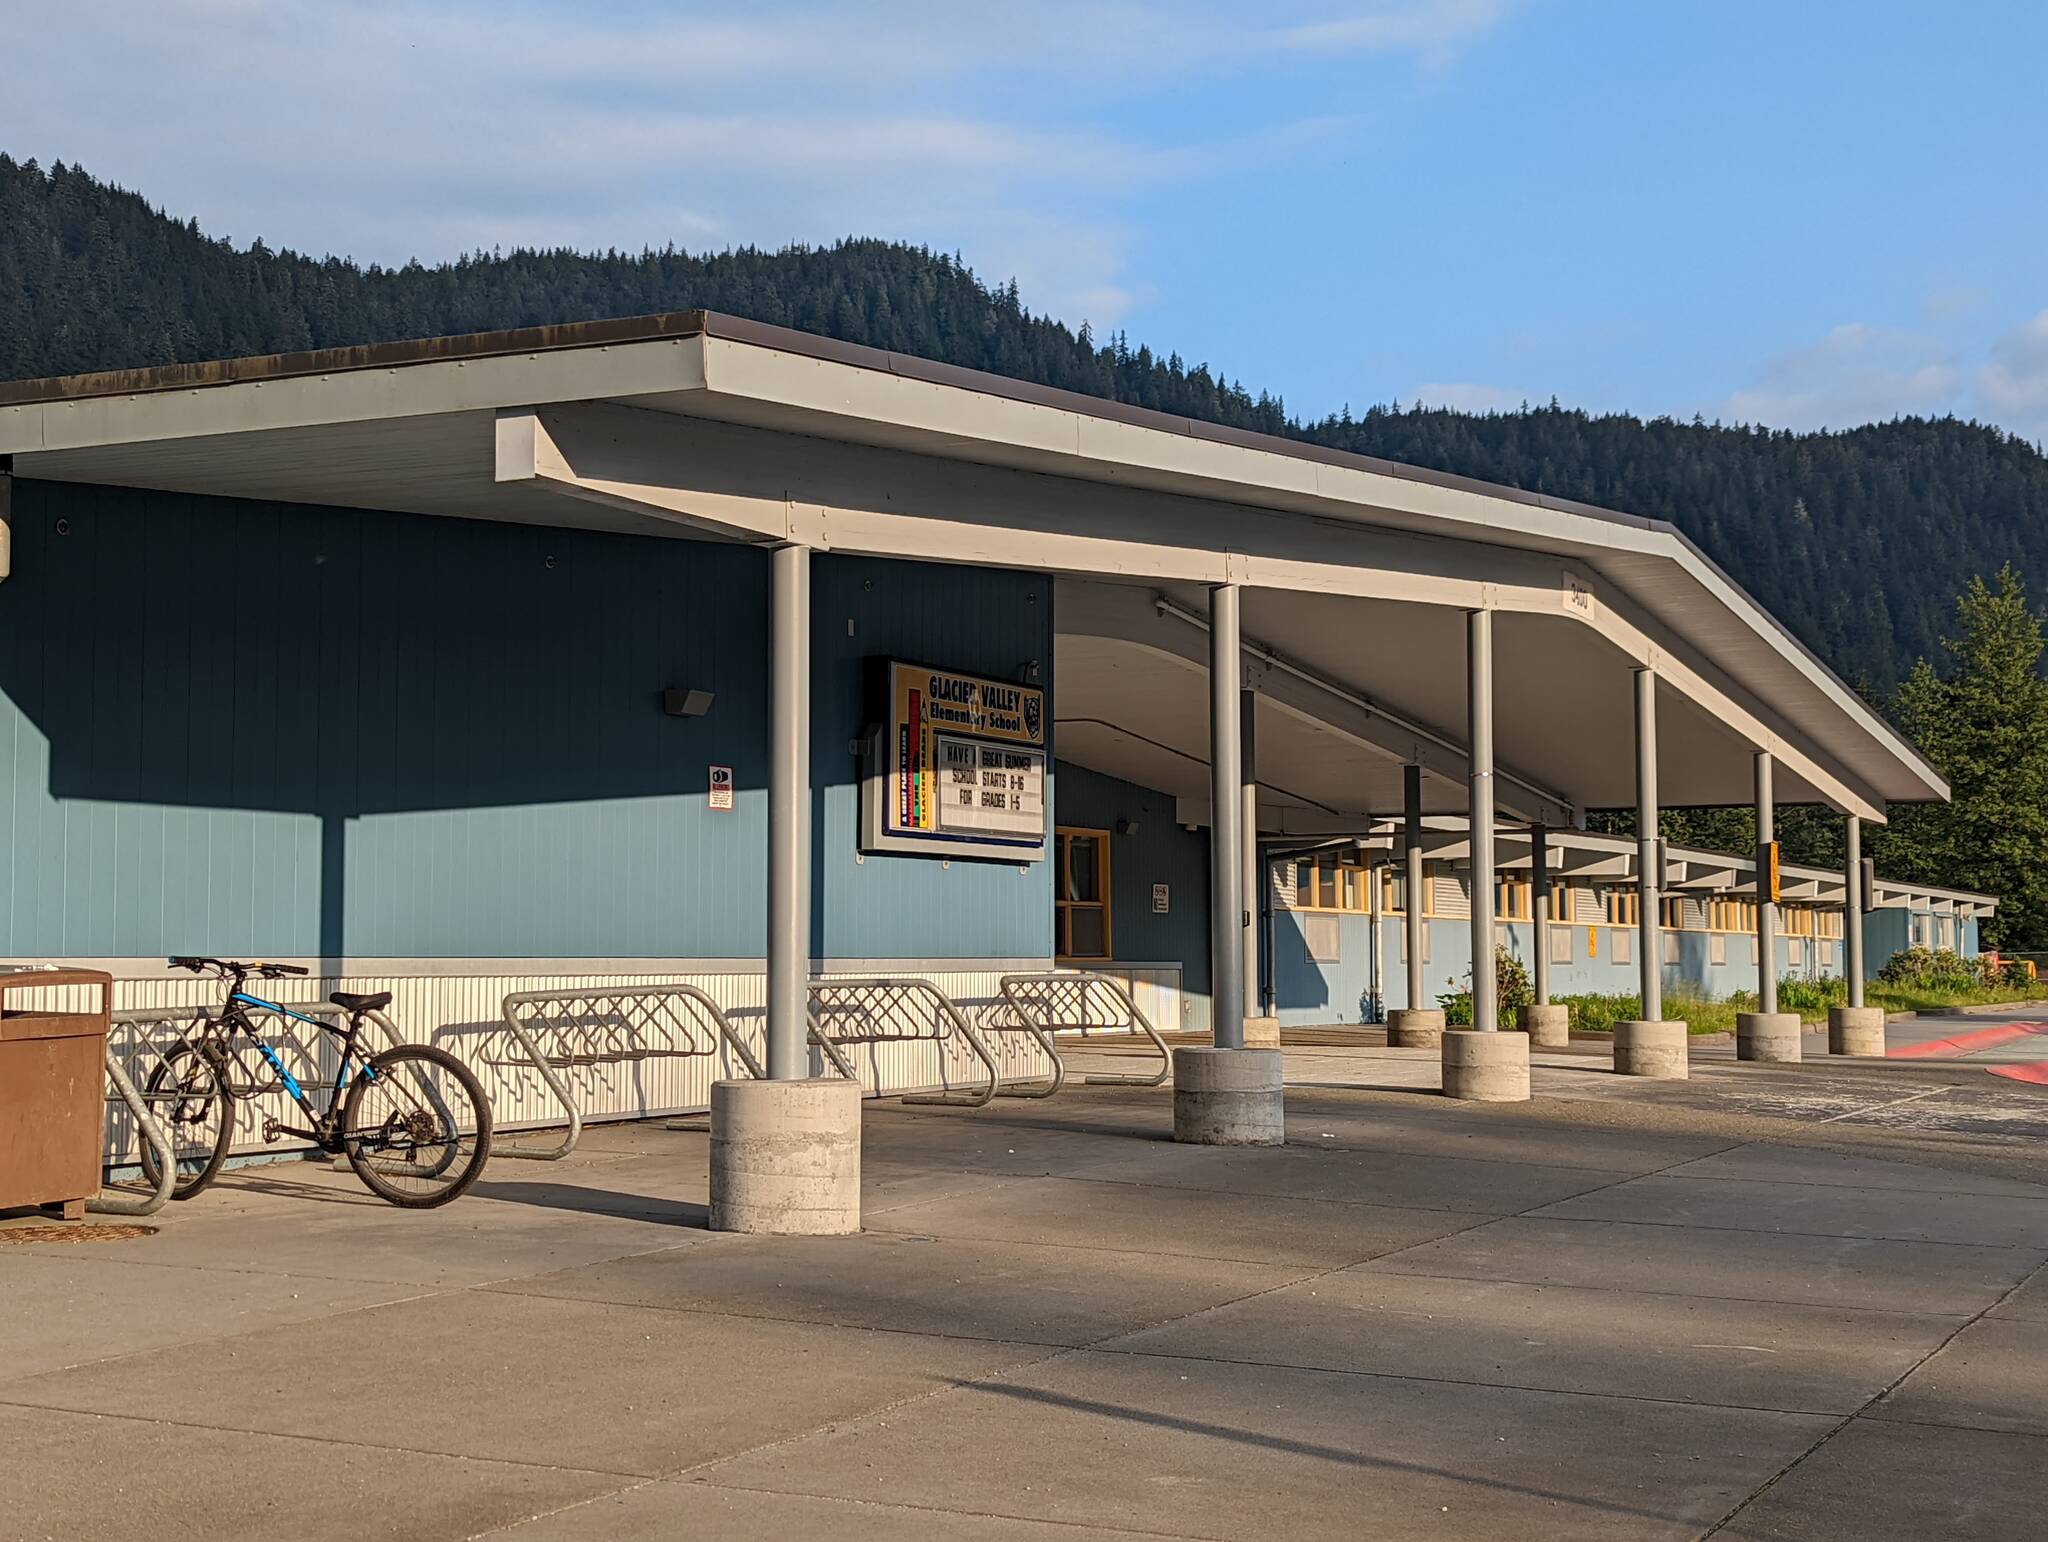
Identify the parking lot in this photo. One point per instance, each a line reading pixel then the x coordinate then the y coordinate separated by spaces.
pixel 1798 1302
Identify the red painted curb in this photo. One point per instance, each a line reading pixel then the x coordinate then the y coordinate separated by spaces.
pixel 2036 1073
pixel 1967 1043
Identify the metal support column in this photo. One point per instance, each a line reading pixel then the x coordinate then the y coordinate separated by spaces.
pixel 1853 899
pixel 1479 715
pixel 1227 919
pixel 1766 912
pixel 1539 911
pixel 1248 812
pixel 789 813
pixel 1411 805
pixel 1649 849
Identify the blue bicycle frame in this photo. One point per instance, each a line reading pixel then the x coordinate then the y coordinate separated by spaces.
pixel 238 1003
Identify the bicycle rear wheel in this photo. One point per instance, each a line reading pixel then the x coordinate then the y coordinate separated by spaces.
pixel 416 1126
pixel 184 1094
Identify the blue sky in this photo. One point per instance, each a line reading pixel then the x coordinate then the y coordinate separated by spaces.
pixel 1798 213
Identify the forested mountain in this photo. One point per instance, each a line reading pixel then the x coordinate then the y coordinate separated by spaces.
pixel 1859 540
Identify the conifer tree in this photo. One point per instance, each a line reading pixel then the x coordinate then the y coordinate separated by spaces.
pixel 1983 722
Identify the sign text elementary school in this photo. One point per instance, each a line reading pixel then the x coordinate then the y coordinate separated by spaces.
pixel 960 769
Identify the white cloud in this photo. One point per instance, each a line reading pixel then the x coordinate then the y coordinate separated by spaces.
pixel 1857 373
pixel 2013 383
pixel 388 129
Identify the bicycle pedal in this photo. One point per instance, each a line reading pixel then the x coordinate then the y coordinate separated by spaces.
pixel 271 1131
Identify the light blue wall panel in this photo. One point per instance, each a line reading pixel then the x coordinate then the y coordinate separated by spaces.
pixel 1306 990
pixel 1156 851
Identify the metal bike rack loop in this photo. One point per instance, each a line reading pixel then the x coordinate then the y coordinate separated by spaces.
pixel 584 1026
pixel 1002 1017
pixel 1080 1000
pixel 125 1094
pixel 895 1010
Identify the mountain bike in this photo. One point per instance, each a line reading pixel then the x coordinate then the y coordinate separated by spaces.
pixel 412 1120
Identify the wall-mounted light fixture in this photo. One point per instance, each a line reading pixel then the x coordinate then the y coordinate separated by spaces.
pixel 678 702
pixel 1127 827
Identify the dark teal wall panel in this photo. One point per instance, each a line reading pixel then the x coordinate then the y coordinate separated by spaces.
pixel 232 726
pixel 1158 851
pixel 980 621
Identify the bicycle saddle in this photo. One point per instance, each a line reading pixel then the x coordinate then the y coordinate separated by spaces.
pixel 349 1001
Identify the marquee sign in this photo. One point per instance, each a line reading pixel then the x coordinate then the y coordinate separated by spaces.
pixel 959 767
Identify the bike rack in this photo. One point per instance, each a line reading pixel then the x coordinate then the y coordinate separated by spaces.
pixel 1080 1000
pixel 610 1025
pixel 150 1129
pixel 895 1010
pixel 1002 1017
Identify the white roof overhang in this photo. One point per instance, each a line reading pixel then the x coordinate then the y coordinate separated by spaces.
pixel 1358 572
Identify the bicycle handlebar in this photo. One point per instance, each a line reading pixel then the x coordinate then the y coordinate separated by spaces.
pixel 225 967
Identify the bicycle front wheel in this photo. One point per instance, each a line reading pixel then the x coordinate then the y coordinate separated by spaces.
pixel 185 1095
pixel 416 1126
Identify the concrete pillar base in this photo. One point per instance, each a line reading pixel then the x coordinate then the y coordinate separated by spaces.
pixel 1652 1049
pixel 1483 1067
pixel 1856 1031
pixel 1548 1027
pixel 1262 1033
pixel 1228 1097
pixel 785 1157
pixel 1416 1028
pixel 1771 1036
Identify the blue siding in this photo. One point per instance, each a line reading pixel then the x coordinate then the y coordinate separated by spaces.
pixel 1158 851
pixel 1308 991
pixel 242 727
pixel 975 620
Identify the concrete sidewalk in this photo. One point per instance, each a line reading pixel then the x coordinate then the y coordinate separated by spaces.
pixel 1798 1302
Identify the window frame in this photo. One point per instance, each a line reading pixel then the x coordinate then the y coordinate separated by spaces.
pixel 1063 907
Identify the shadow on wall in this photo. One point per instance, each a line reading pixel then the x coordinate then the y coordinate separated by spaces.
pixel 279 729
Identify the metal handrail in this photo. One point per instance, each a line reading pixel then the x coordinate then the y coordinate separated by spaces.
pixel 877 1009
pixel 1062 1000
pixel 621 1038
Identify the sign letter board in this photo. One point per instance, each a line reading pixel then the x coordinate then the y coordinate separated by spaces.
pixel 959 769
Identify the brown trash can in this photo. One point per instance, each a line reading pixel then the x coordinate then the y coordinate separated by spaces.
pixel 53 1090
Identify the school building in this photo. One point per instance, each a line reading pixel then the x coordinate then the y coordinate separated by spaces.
pixel 685 648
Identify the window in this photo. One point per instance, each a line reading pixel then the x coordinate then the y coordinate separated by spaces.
pixel 1511 899
pixel 1322 883
pixel 1798 921
pixel 1621 946
pixel 1828 923
pixel 1081 907
pixel 1717 948
pixel 1795 952
pixel 1393 891
pixel 1671 912
pixel 1560 901
pixel 1730 914
pixel 1624 907
pixel 1560 944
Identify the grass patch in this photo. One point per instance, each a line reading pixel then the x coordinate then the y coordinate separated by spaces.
pixel 1809 998
pixel 1599 1014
